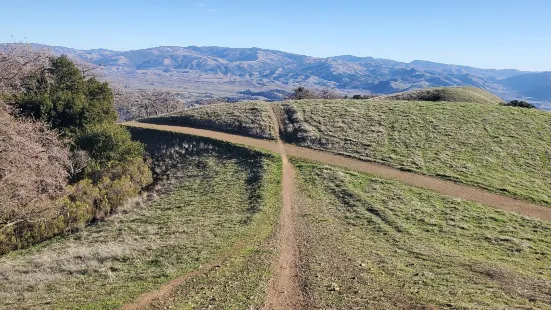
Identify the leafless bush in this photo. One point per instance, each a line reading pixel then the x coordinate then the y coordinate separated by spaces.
pixel 19 61
pixel 78 160
pixel 302 93
pixel 89 70
pixel 33 173
pixel 139 103
pixel 328 94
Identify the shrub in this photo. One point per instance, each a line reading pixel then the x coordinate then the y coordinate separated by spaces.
pixel 62 97
pixel 108 142
pixel 33 173
pixel 301 93
pixel 520 104
pixel 105 165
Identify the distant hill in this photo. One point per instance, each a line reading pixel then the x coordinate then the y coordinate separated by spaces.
pixel 534 86
pixel 218 71
pixel 451 94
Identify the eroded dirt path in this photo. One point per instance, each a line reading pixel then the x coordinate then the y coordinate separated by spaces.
pixel 284 291
pixel 447 188
pixel 147 300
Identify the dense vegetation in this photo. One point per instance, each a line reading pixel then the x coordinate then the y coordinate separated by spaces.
pixel 500 148
pixel 220 201
pixel 247 118
pixel 398 247
pixel 103 170
pixel 450 94
pixel 33 174
pixel 520 104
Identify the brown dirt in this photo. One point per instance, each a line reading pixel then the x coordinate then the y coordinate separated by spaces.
pixel 284 291
pixel 148 299
pixel 447 188
pixel 269 145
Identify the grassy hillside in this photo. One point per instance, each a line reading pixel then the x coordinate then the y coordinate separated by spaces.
pixel 451 94
pixel 221 202
pixel 247 118
pixel 398 247
pixel 503 149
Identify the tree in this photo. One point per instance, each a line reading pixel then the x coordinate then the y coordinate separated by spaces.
pixel 106 142
pixel 139 103
pixel 105 167
pixel 61 96
pixel 327 93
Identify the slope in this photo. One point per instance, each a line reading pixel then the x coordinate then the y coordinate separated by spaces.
pixel 248 118
pixel 371 243
pixel 450 94
pixel 503 149
pixel 218 203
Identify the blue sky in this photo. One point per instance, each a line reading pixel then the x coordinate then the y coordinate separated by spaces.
pixel 483 33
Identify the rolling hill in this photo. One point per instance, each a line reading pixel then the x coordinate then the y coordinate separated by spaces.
pixel 217 71
pixel 534 86
pixel 450 94
pixel 499 148
pixel 473 140
pixel 235 227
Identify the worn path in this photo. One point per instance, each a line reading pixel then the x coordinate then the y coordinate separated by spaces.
pixel 284 291
pixel 447 188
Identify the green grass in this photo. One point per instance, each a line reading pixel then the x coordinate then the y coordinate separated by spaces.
pixel 450 94
pixel 378 244
pixel 219 201
pixel 245 118
pixel 503 149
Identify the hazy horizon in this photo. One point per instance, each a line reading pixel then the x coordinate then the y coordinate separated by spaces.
pixel 259 47
pixel 481 34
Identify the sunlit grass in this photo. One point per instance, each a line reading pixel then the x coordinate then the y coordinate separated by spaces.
pixel 379 244
pixel 503 149
pixel 213 207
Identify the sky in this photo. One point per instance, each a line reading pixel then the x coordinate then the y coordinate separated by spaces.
pixel 481 33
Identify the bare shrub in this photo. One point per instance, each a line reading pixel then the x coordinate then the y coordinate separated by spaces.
pixel 19 61
pixel 302 93
pixel 33 173
pixel 139 103
pixel 327 93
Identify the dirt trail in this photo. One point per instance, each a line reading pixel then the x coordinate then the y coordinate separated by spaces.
pixel 222 136
pixel 284 291
pixel 447 188
pixel 148 299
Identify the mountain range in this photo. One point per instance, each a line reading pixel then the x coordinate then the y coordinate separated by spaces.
pixel 212 71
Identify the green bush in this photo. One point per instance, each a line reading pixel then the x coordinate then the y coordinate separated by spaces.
pixel 62 97
pixel 109 142
pixel 82 110
pixel 110 188
pixel 520 104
